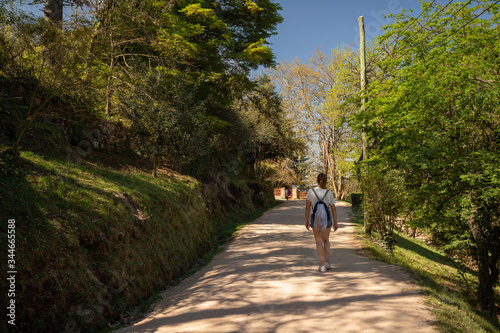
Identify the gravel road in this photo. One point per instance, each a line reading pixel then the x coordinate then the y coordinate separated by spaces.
pixel 266 280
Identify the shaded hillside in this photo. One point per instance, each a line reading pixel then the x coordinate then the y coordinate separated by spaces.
pixel 98 235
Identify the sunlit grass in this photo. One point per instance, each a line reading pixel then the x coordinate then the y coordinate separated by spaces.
pixel 78 234
pixel 82 238
pixel 438 278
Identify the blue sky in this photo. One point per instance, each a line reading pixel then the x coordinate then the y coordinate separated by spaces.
pixel 330 23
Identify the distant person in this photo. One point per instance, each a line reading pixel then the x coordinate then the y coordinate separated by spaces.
pixel 286 193
pixel 325 217
pixel 290 192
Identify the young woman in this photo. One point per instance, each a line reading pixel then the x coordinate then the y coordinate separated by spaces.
pixel 321 233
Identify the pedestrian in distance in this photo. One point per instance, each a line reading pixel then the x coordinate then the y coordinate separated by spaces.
pixel 321 216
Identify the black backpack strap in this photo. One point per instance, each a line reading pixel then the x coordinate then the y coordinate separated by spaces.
pixel 328 213
pixel 324 196
pixel 328 210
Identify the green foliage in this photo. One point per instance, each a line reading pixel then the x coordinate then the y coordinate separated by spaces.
pixel 172 73
pixel 167 120
pixel 194 34
pixel 182 90
pixel 434 118
pixel 382 203
pixel 43 73
pixel 438 278
pixel 343 68
pixel 356 199
pixel 221 41
pixel 175 73
pixel 271 135
pixel 250 23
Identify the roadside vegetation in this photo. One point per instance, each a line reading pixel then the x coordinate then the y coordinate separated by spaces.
pixel 448 288
pixel 131 134
pixel 99 240
pixel 432 121
pixel 127 126
pixel 422 143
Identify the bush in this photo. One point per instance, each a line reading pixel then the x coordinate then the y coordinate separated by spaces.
pixel 356 199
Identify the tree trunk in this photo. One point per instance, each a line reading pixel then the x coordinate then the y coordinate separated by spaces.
pixel 333 166
pixel 53 10
pixel 103 15
pixel 488 277
pixel 328 163
pixel 487 264
pixel 332 174
pixel 340 187
pixel 154 173
pixel 324 152
pixel 109 86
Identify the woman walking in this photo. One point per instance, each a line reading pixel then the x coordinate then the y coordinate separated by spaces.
pixel 321 226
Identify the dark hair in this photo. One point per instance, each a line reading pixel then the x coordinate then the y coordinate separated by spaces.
pixel 322 179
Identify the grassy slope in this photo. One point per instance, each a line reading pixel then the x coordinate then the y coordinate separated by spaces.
pixel 438 278
pixel 92 241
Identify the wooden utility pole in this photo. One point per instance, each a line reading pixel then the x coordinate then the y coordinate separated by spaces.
pixel 362 60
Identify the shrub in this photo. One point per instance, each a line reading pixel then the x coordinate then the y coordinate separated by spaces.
pixel 356 199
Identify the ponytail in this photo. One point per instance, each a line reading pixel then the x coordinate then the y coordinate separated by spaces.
pixel 322 179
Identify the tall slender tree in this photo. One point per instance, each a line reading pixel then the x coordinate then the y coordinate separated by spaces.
pixel 314 93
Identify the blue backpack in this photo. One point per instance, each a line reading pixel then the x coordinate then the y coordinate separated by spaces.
pixel 321 212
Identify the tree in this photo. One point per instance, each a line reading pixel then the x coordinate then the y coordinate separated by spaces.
pixel 53 10
pixel 47 64
pixel 436 123
pixel 167 122
pixel 171 63
pixel 305 88
pixel 196 39
pixel 314 94
pixel 180 43
pixel 271 136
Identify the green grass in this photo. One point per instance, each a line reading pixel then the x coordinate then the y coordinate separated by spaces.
pixel 84 252
pixel 98 241
pixel 438 278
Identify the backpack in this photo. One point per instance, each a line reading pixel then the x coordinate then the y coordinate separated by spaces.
pixel 321 213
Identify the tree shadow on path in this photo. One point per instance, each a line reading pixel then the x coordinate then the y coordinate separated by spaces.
pixel 266 280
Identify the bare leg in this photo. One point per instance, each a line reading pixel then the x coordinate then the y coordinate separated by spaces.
pixel 320 245
pixel 326 244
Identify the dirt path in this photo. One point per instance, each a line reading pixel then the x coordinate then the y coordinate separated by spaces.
pixel 266 280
